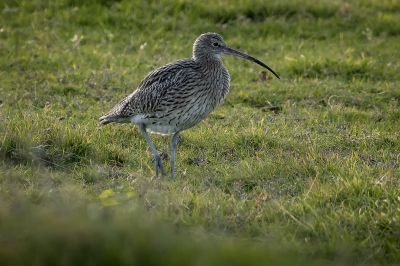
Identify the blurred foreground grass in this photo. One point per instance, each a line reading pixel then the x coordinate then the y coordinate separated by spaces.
pixel 304 170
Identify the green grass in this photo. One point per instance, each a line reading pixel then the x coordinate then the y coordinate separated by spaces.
pixel 302 170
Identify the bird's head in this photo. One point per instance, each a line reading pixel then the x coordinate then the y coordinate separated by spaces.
pixel 212 45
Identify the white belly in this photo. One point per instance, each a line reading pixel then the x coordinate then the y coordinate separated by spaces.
pixel 161 129
pixel 156 128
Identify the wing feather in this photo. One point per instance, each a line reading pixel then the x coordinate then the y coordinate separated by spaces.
pixel 153 89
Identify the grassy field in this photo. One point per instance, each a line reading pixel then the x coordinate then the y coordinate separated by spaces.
pixel 302 170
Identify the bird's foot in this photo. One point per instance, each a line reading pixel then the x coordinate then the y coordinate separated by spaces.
pixel 159 165
pixel 173 174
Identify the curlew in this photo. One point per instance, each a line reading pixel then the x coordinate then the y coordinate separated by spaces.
pixel 179 95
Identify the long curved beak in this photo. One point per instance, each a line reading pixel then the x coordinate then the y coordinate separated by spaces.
pixel 234 52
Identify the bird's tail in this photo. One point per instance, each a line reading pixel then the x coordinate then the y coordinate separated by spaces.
pixel 106 119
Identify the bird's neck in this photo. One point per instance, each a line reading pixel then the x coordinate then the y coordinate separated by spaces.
pixel 209 61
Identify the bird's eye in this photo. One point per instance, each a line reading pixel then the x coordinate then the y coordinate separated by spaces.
pixel 215 44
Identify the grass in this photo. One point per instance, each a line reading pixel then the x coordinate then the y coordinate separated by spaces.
pixel 303 170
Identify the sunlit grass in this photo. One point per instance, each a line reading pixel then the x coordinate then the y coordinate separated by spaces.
pixel 302 170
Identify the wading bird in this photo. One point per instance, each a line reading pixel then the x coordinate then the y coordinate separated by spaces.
pixel 179 95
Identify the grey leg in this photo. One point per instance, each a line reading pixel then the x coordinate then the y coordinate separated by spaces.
pixel 157 158
pixel 174 141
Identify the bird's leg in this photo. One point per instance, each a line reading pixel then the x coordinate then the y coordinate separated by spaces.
pixel 174 141
pixel 157 158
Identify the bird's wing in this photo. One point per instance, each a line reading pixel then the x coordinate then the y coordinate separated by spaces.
pixel 153 89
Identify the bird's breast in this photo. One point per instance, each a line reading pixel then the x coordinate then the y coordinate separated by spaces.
pixel 207 95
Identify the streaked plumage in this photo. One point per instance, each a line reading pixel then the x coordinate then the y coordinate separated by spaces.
pixel 178 95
